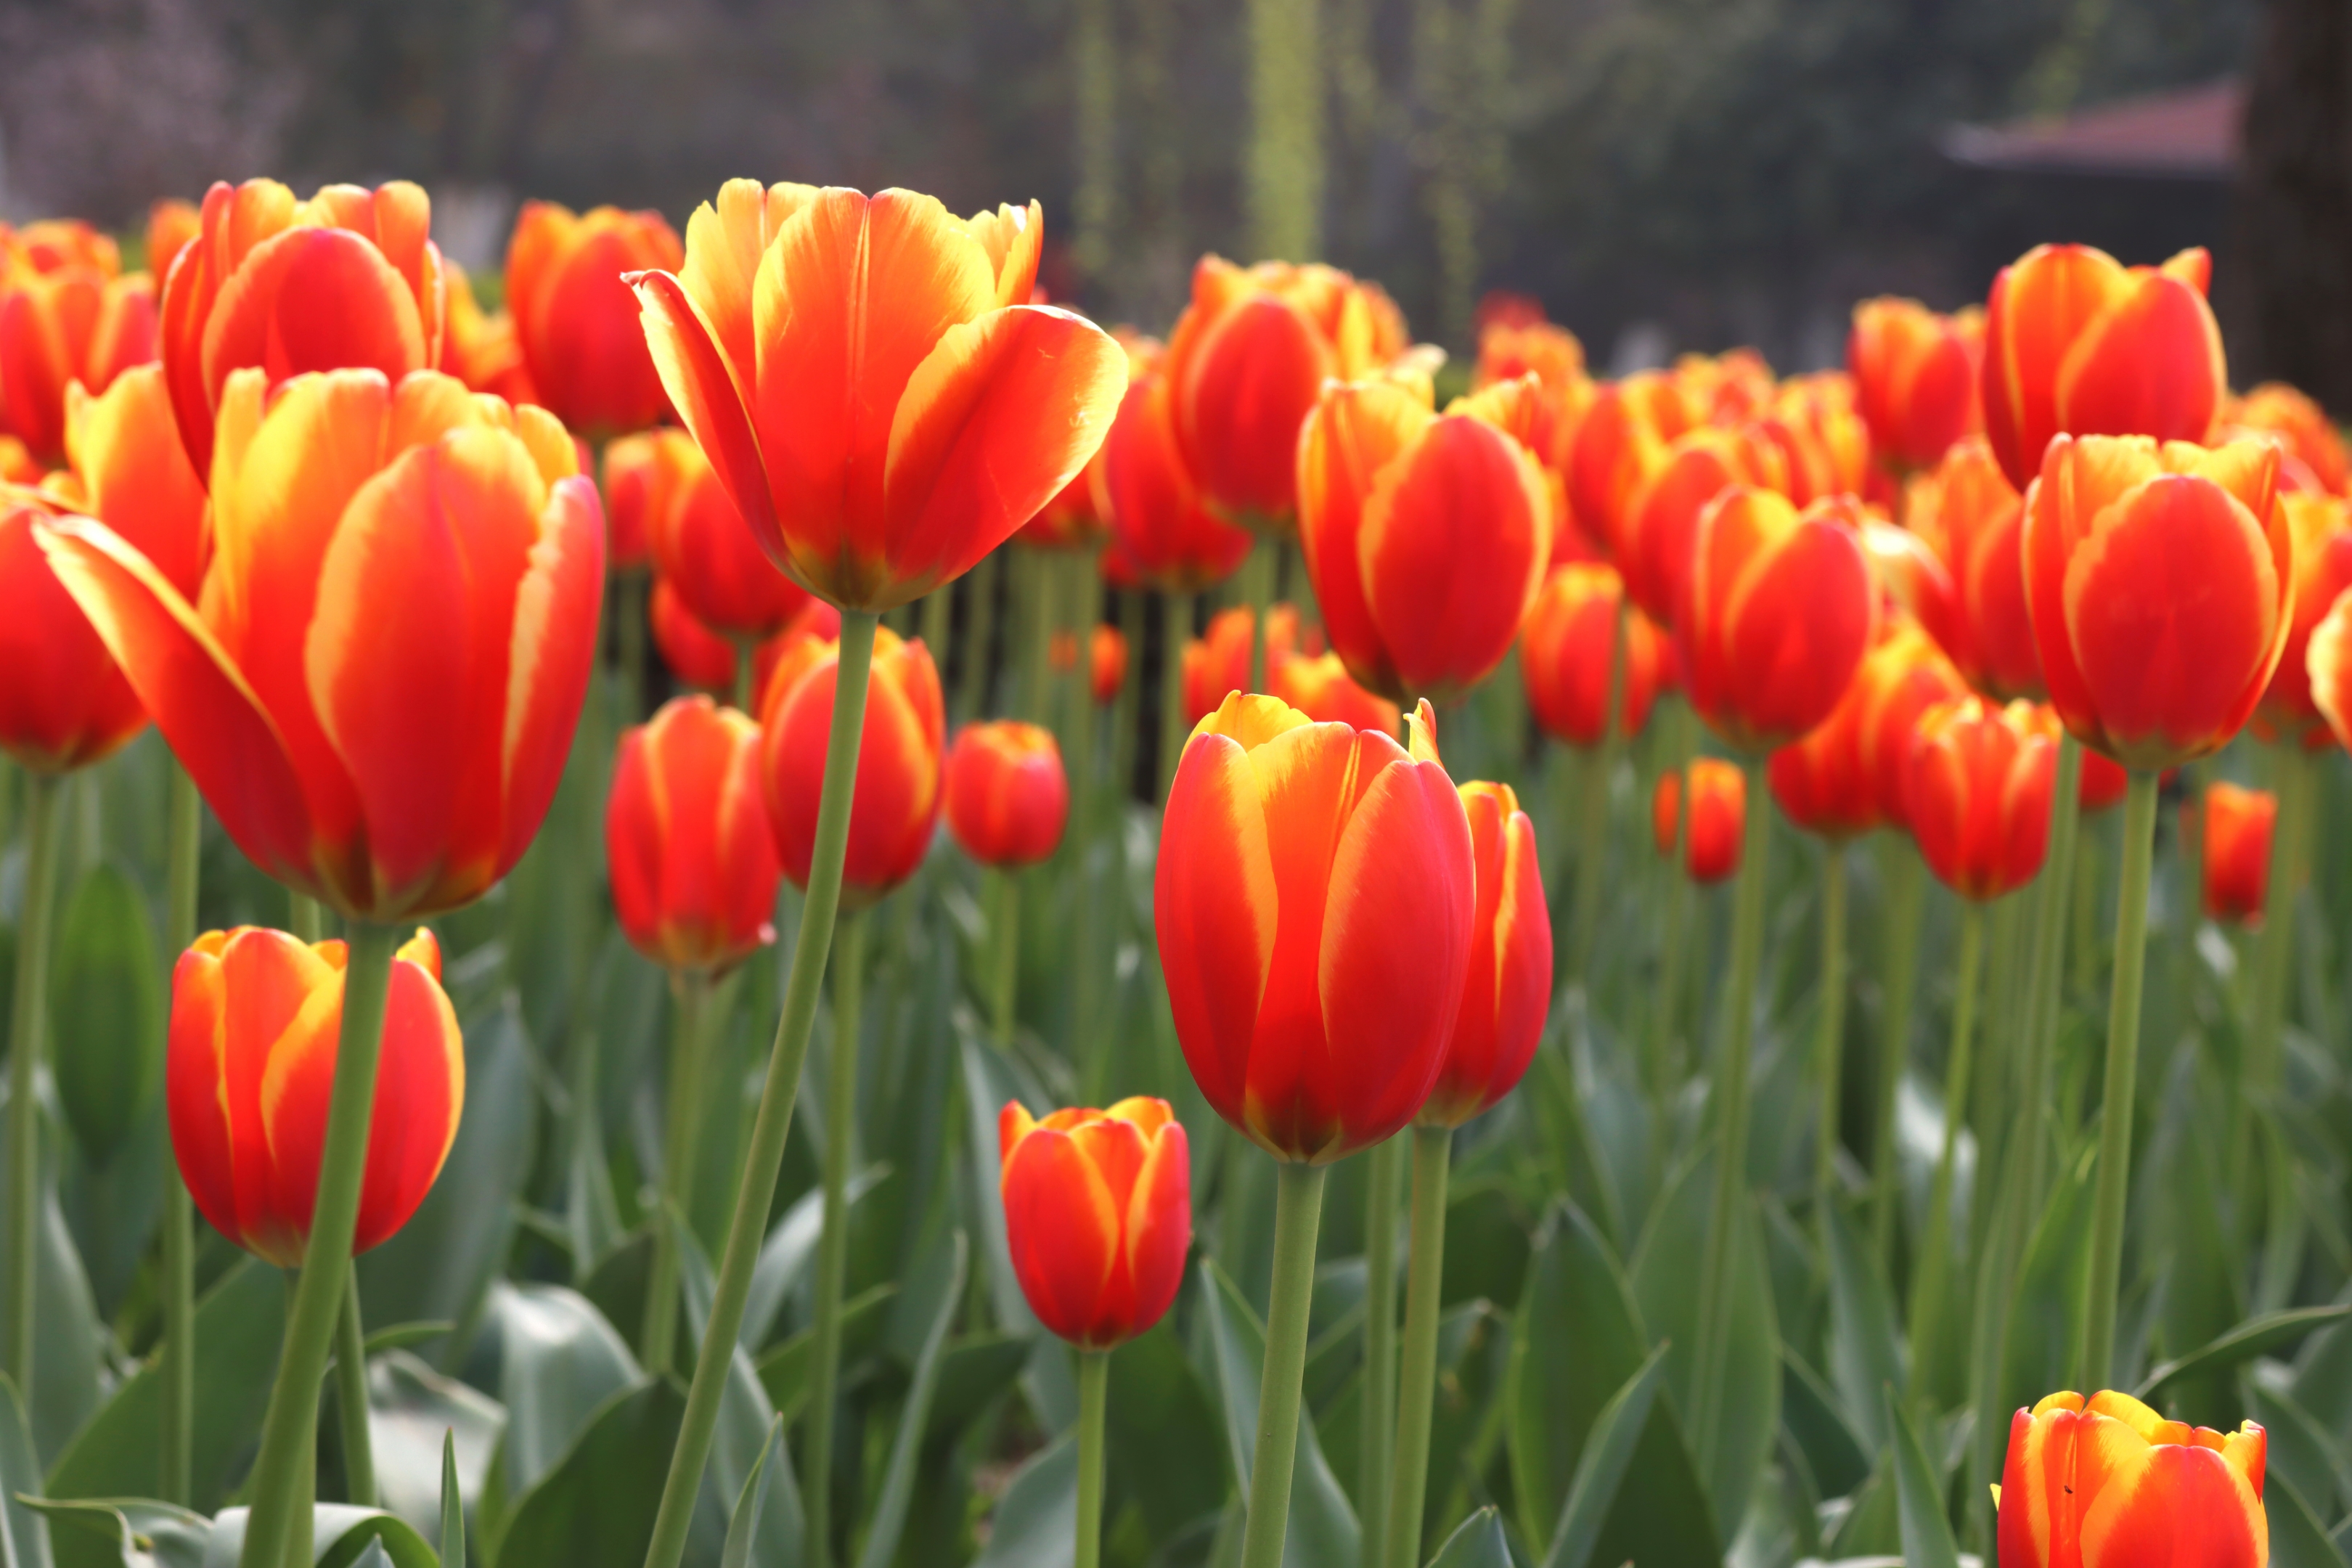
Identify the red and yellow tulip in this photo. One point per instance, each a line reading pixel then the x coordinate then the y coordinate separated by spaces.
pixel 699 546
pixel 1718 821
pixel 1565 648
pixel 1097 1214
pixel 2108 1483
pixel 1007 797
pixel 1977 792
pixel 576 322
pixel 1916 373
pixel 686 842
pixel 1507 989
pixel 2235 832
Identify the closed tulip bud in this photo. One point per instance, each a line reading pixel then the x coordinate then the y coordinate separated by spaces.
pixel 637 484
pixel 1973 518
pixel 2319 528
pixel 1105 664
pixel 1098 1215
pixel 348 279
pixel 75 321
pixel 2108 1483
pixel 1565 648
pixel 1564 393
pixel 697 543
pixel 1660 528
pixel 693 861
pixel 880 400
pixel 897 803
pixel 1507 992
pixel 479 347
pixel 2327 660
pixel 2161 580
pixel 250 1068
pixel 1848 774
pixel 1718 824
pixel 1621 440
pixel 1916 374
pixel 1320 689
pixel 2315 453
pixel 1978 781
pixel 694 654
pixel 1818 426
pixel 1247 363
pixel 1313 902
pixel 1425 536
pixel 390 765
pixel 2235 848
pixel 1218 662
pixel 1163 528
pixel 1777 615
pixel 577 322
pixel 1007 797
pixel 170 225
pixel 2076 342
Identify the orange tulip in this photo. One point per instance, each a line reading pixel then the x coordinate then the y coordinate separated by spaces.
pixel 388 765
pixel 1621 440
pixel 1313 903
pixel 1916 373
pixel 65 703
pixel 1660 527
pixel 694 654
pixel 1847 775
pixel 256 1021
pixel 897 799
pixel 1218 662
pixel 1320 689
pixel 2161 582
pixel 2320 527
pixel 480 348
pixel 1105 661
pixel 1974 519
pixel 1097 1214
pixel 1162 526
pixel 576 322
pixel 878 397
pixel 2235 839
pixel 1778 611
pixel 1247 363
pixel 1719 823
pixel 59 244
pixel 1727 388
pixel 2327 660
pixel 170 225
pixel 693 862
pixel 636 486
pixel 2077 343
pixel 1565 648
pixel 2317 456
pixel 348 279
pixel 1007 797
pixel 16 464
pixel 1976 786
pixel 66 316
pixel 1506 994
pixel 1552 354
pixel 2108 1483
pixel 1816 421
pixel 699 546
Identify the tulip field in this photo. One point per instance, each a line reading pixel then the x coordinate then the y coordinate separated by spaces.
pixel 759 900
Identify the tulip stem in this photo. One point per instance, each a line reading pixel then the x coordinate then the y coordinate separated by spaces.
pixel 302 916
pixel 31 1014
pixel 1175 630
pixel 629 608
pixel 1257 592
pixel 980 643
pixel 1004 927
pixel 1829 1048
pixel 177 1369
pixel 1298 1214
pixel 690 999
pixel 1432 1153
pixel 747 676
pixel 1592 838
pixel 1899 959
pixel 1665 1010
pixel 1377 1429
pixel 1039 576
pixel 1094 1405
pixel 747 1226
pixel 351 1398
pixel 2118 1096
pixel 2044 976
pixel 1931 1282
pixel 2274 958
pixel 833 1241
pixel 281 1509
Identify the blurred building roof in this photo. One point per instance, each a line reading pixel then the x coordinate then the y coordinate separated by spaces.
pixel 2186 134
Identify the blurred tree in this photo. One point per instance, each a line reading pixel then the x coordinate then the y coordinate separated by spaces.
pixel 2296 203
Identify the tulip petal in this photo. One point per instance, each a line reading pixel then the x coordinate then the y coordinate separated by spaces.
pixel 550 659
pixel 2150 365
pixel 1216 911
pixel 420 1091
pixel 314 299
pixel 1350 439
pixel 1060 1215
pixel 703 390
pixel 194 1072
pixel 1158 1224
pixel 724 243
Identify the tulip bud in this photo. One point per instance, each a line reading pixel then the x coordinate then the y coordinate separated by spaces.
pixel 2327 660
pixel 1007 797
pixel 1660 528
pixel 1218 662
pixel 1972 518
pixel 693 860
pixel 1565 648
pixel 2235 849
pixel 1162 527
pixel 2314 453
pixel 700 547
pixel 1098 1215
pixel 66 316
pixel 65 703
pixel 1552 355
pixel 1718 824
pixel 1916 374
pixel 477 346
pixel 1312 901
pixel 2104 783
pixel 256 1022
pixel 1320 689
pixel 576 322
pixel 1507 991
pixel 1107 664
pixel 170 225
pixel 2319 529
pixel 2106 1482
pixel 1620 442
pixel 637 484
pixel 1978 783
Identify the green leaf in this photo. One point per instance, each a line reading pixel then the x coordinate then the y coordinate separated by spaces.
pixel 560 1363
pixel 1164 1448
pixel 1035 1524
pixel 453 1507
pixel 416 1419
pixel 1476 1543
pixel 784 1371
pixel 1865 1343
pixel 109 1532
pixel 2302 1449
pixel 341 1536
pixel 743 1524
pixel 23 1543
pixel 1323 1531
pixel 746 1421
pixel 2254 1336
pixel 889 1517
pixel 106 1012
pixel 400 1336
pixel 1576 1337
pixel 1919 1495
pixel 789 1251
pixel 1601 1473
pixel 595 1507
pixel 975 1370
pixel 2298 1539
pixel 2048 1305
pixel 71 1349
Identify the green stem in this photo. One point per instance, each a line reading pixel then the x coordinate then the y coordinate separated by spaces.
pixel 1377 1429
pixel 351 1399
pixel 303 917
pixel 2274 958
pixel 1124 712
pixel 1298 1212
pixel 281 1505
pixel 2107 1213
pixel 690 998
pixel 1258 593
pixel 747 674
pixel 1004 930
pixel 1664 1011
pixel 1432 1152
pixel 833 1242
pixel 629 597
pixel 1906 896
pixel 1592 837
pixel 1040 577
pixel 747 1228
pixel 980 643
pixel 176 1448
pixel 1928 1355
pixel 2045 974
pixel 299 1544
pixel 1828 1048
pixel 30 1021
pixel 1090 1046
pixel 1094 1404
pixel 1731 1113
pixel 1175 631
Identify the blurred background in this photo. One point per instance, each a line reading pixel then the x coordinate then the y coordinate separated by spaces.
pixel 1661 174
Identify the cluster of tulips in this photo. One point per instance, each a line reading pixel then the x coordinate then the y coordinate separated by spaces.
pixel 348 539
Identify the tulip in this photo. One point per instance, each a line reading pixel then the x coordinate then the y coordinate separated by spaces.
pixel 2108 1483
pixel 1425 536
pixel 1098 1215
pixel 2316 454
pixel 1660 526
pixel 2161 583
pixel 480 348
pixel 1007 797
pixel 1565 648
pixel 391 766
pixel 1778 610
pixel 1319 687
pixel 1726 389
pixel 1849 773
pixel 878 399
pixel 16 464
pixel 1553 356
pixel 1219 663
pixel 1973 518
pixel 1106 663
pixel 1247 365
pixel 65 703
pixel 2076 342
pixel 54 245
pixel 1916 373
pixel 1978 782
pixel 693 861
pixel 899 762
pixel 576 322
pixel 1816 422
pixel 348 279
pixel 2103 783
pixel 2319 528
pixel 2235 845
pixel 699 546
pixel 1508 993
pixel 170 225
pixel 1621 440
pixel 76 320
pixel 1078 517
pixel 256 1016
pixel 2327 660
pixel 1719 818
pixel 1162 528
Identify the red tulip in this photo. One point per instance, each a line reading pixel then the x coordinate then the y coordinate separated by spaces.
pixel 1660 527
pixel 388 765
pixel 170 225
pixel 1320 689
pixel 1978 782
pixel 1105 664
pixel 256 1020
pixel 693 861
pixel 2320 530
pixel 2327 660
pixel 1817 424
pixel 2315 453
pixel 1619 443
pixel 2104 783
pixel 1162 526
pixel 1098 1215
pixel 1718 824
pixel 65 315
pixel 636 486
pixel 577 322
pixel 699 546
pixel 1972 518
pixel 1565 648
pixel 1917 375
pixel 878 397
pixel 1313 902
pixel 1506 993
pixel 2111 1484
pixel 1218 662
pixel 2236 851
pixel 1007 797
pixel 479 347
pixel 1553 356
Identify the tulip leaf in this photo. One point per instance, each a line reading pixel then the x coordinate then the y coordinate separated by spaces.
pixel 453 1507
pixel 1865 1343
pixel 786 1255
pixel 889 1518
pixel 2255 1337
pixel 1815 1421
pixel 594 1506
pixel 1608 1454
pixel 743 1524
pixel 1919 1495
pixel 106 1012
pixel 125 1532
pixel 1476 1543
pixel 415 1414
pixel 1576 1337
pixel 72 1350
pixel 2047 1307
pixel 1036 1522
pixel 400 1336
pixel 342 1537
pixel 23 1543
pixel 2298 1539
pixel 786 1370
pixel 560 1362
pixel 746 1420
pixel 1164 1447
